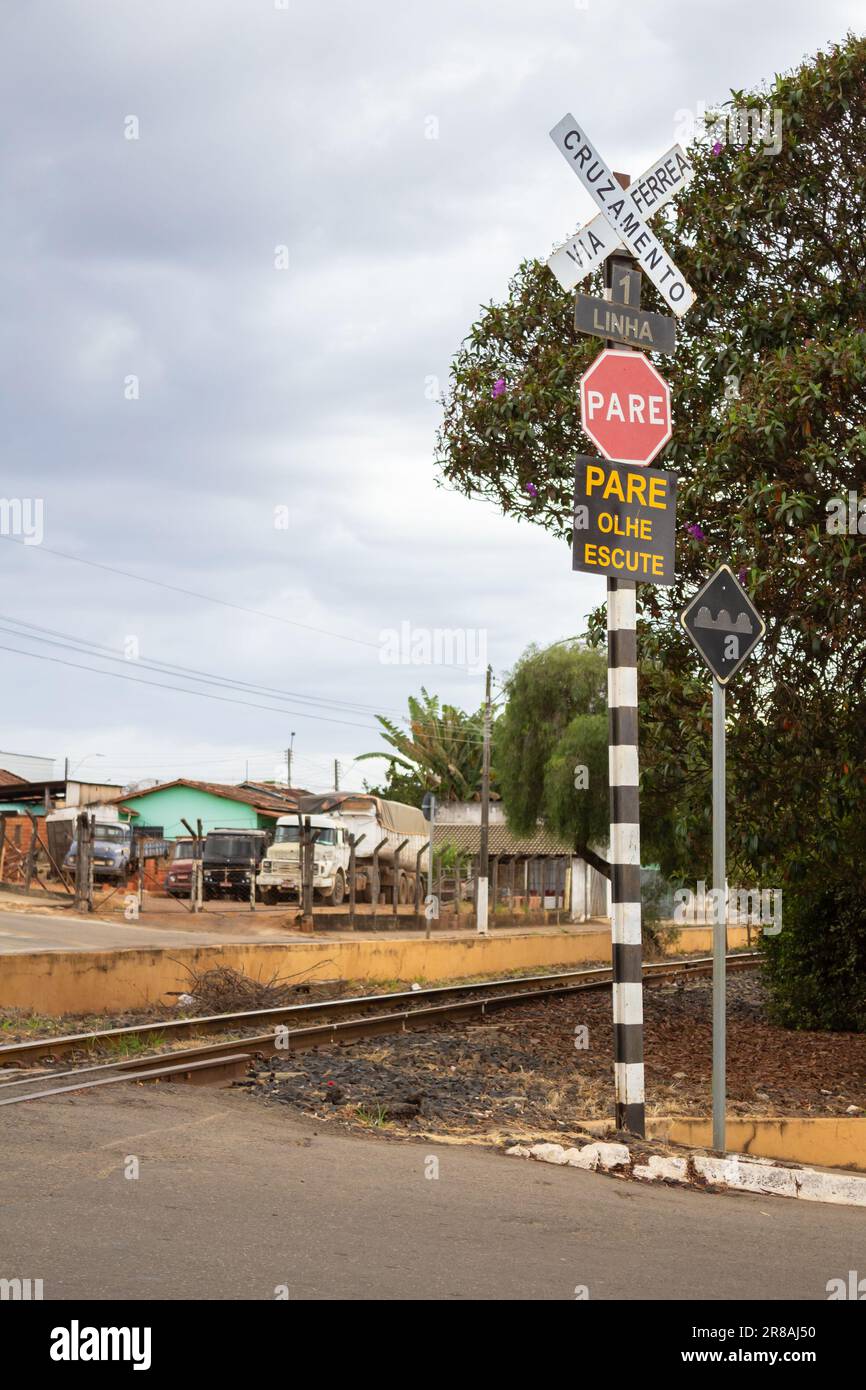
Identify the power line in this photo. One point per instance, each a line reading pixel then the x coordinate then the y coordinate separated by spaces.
pixel 105 653
pixel 210 598
pixel 201 694
pixel 194 593
pixel 189 672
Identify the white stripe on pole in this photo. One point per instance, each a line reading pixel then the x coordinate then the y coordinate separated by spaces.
pixel 623 765
pixel 629 1080
pixel 622 686
pixel 627 843
pixel 628 1003
pixel 625 923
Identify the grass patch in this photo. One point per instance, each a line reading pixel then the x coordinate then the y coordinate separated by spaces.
pixel 372 1117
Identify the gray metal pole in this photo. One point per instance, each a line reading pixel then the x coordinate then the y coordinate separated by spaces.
pixel 720 918
pixel 481 889
pixel 430 885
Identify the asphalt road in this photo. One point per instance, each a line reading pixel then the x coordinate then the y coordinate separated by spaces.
pixel 25 932
pixel 235 1199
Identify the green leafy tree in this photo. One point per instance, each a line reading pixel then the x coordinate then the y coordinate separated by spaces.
pixel 769 384
pixel 440 751
pixel 551 746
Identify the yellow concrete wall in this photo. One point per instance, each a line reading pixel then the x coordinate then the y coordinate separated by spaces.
pixel 60 982
pixel 830 1142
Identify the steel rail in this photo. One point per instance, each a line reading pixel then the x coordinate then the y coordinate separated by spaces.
pixel 331 1032
pixel 196 1070
pixel 220 1023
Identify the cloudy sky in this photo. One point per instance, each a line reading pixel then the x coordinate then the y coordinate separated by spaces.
pixel 240 241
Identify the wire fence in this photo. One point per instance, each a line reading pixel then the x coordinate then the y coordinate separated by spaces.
pixel 521 887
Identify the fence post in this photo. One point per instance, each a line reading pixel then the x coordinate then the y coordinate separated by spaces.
pixel 374 893
pixel 84 863
pixel 396 894
pixel 31 853
pixel 439 879
pixel 418 857
pixel 307 871
pixel 352 882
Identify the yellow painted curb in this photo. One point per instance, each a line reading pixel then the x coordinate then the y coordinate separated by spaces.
pixel 828 1141
pixel 72 982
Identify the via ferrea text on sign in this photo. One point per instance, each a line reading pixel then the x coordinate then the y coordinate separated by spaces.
pixel 626 210
pixel 624 521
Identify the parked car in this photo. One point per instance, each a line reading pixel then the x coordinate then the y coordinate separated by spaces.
pixel 229 858
pixel 112 851
pixel 178 879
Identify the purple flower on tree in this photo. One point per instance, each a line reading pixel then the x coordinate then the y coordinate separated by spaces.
pixel 742 576
pixel 717 148
pixel 499 387
pixel 696 532
pixel 532 489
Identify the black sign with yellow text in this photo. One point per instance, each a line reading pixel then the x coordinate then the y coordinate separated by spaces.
pixel 624 521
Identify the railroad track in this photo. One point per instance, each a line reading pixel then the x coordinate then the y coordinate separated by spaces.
pixel 317 1024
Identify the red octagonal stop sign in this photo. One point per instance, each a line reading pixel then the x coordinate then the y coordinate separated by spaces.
pixel 625 406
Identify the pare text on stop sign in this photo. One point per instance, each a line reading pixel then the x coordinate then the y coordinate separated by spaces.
pixel 637 409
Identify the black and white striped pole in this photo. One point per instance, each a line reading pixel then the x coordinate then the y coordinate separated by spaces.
pixel 625 910
pixel 626 941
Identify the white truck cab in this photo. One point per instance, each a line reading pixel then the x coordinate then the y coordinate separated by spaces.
pixel 280 872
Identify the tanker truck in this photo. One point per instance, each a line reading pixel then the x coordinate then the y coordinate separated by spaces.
pixel 335 817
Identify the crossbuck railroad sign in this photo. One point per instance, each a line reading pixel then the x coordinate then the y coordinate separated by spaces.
pixel 622 220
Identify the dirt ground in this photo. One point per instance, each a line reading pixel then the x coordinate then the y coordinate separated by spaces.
pixel 522 1073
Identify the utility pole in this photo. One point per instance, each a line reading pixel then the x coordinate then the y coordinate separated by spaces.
pixel 289 752
pixel 484 857
pixel 336 776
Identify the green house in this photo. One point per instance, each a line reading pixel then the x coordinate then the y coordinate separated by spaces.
pixel 250 806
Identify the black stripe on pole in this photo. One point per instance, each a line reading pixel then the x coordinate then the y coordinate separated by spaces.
pixel 627 963
pixel 625 805
pixel 622 648
pixel 628 1043
pixel 623 725
pixel 625 883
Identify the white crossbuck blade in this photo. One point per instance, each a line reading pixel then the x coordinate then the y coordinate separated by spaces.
pixel 584 252
pixel 622 220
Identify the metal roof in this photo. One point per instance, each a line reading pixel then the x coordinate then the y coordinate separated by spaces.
pixel 502 841
pixel 269 803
